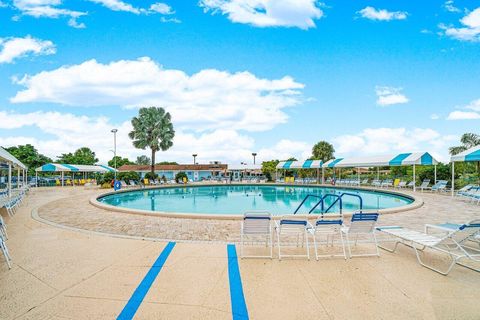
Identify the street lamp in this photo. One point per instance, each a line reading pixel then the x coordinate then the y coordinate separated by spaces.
pixel 194 157
pixel 254 154
pixel 114 131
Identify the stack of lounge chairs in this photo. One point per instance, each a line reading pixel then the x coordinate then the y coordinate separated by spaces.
pixel 470 193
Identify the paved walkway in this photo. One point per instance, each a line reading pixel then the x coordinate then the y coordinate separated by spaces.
pixel 64 274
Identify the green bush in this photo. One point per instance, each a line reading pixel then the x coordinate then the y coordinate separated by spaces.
pixel 179 176
pixel 127 176
pixel 151 176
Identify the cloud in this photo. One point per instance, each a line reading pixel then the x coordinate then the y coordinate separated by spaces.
pixel 117 5
pixel 434 116
pixel 48 9
pixel 450 7
pixel 376 141
pixel 209 99
pixel 381 14
pixel 14 48
pixel 387 96
pixel 470 31
pixel 472 112
pixel 225 145
pixel 265 13
pixel 161 8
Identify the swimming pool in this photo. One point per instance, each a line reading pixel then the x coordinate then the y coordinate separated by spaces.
pixel 236 199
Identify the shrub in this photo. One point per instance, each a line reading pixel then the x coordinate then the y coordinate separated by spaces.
pixel 151 176
pixel 127 176
pixel 179 176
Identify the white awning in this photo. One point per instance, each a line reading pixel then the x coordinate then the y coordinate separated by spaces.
pixel 62 167
pixel 472 154
pixel 306 164
pixel 402 159
pixel 7 157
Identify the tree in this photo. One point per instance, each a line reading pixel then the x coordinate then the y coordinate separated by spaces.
pixel 80 156
pixel 269 168
pixel 323 150
pixel 142 160
pixel 152 128
pixel 468 140
pixel 29 156
pixel 120 161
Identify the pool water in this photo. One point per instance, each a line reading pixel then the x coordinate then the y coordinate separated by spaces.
pixel 236 199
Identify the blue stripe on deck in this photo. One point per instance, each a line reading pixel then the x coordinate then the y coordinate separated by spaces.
pixel 239 307
pixel 139 294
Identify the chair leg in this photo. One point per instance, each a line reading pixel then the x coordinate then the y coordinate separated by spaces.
pixel 315 246
pixel 306 240
pixel 278 245
pixel 454 260
pixel 343 245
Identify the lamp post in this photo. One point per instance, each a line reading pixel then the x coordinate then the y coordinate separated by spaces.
pixel 114 131
pixel 194 157
pixel 254 154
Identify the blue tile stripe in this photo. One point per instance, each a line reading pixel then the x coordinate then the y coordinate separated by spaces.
pixel 139 294
pixel 239 307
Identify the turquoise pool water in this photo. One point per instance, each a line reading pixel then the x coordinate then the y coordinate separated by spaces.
pixel 236 199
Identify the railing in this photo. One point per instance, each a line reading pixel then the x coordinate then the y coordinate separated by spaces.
pixel 321 202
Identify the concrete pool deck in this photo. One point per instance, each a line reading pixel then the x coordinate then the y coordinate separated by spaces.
pixel 61 273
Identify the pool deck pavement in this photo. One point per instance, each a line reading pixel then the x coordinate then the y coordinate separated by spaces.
pixel 61 273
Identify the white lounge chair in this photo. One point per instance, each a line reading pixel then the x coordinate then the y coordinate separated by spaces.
pixel 452 244
pixel 362 224
pixel 3 229
pixel 424 185
pixel 328 228
pixel 257 224
pixel 402 184
pixel 6 254
pixel 291 225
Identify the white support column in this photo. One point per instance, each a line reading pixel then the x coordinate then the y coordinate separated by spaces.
pixel 358 175
pixel 36 179
pixel 435 173
pixel 453 178
pixel 378 173
pixel 414 180
pixel 9 179
pixel 323 175
pixel 318 175
pixel 18 178
pixel 63 176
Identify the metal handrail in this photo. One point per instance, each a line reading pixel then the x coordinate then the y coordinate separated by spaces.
pixel 339 199
pixel 305 199
pixel 354 195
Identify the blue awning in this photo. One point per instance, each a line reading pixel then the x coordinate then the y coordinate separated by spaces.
pixel 472 154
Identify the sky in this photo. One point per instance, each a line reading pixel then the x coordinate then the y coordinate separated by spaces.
pixel 241 76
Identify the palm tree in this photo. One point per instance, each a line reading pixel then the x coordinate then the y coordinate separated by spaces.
pixel 468 140
pixel 323 150
pixel 152 128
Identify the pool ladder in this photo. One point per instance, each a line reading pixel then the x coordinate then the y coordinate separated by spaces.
pixel 321 202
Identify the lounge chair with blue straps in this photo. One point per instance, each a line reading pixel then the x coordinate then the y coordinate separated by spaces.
pixel 256 224
pixel 361 225
pixel 452 244
pixel 327 228
pixel 292 226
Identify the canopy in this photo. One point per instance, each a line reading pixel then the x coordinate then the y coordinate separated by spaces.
pixel 62 167
pixel 402 159
pixel 307 164
pixel 6 156
pixel 472 154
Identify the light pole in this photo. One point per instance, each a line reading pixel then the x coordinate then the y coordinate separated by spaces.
pixel 254 154
pixel 114 131
pixel 194 157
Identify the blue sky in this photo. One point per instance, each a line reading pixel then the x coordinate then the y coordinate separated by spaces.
pixel 238 76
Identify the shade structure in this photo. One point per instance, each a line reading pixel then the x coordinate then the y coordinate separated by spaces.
pixel 5 156
pixel 402 159
pixel 62 167
pixel 470 155
pixel 307 164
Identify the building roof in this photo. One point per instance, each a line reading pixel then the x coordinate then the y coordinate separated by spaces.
pixel 402 159
pixel 62 167
pixel 175 167
pixel 7 157
pixel 472 154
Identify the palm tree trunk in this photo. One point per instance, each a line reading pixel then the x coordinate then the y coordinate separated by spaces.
pixel 152 168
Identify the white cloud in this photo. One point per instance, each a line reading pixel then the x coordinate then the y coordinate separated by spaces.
pixel 161 8
pixel 48 9
pixel 382 14
pixel 14 48
pixel 387 96
pixel 225 145
pixel 267 13
pixel 285 149
pixel 117 5
pixel 463 115
pixel 434 116
pixel 376 141
pixel 450 6
pixel 209 99
pixel 470 31
pixel 472 112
